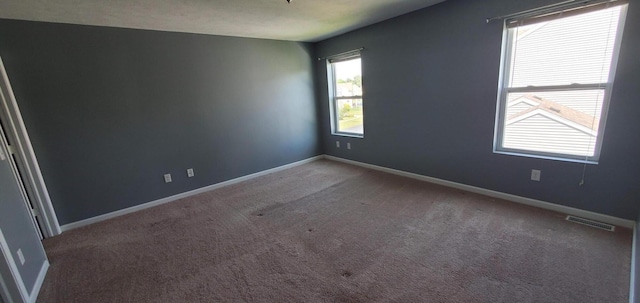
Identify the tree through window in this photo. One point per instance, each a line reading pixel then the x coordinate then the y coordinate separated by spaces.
pixel 346 101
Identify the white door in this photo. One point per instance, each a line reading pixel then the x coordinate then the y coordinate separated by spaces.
pixel 7 155
pixel 24 162
pixel 12 287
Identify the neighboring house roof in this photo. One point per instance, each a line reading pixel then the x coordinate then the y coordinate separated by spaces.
pixel 563 114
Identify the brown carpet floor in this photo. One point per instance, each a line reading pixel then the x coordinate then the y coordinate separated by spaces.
pixel 330 232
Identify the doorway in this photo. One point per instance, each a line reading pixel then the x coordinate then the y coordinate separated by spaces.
pixel 10 157
pixel 23 261
pixel 23 161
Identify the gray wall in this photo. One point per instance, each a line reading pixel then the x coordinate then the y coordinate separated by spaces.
pixel 430 88
pixel 110 110
pixel 17 228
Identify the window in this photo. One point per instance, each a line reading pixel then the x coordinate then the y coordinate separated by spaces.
pixel 347 115
pixel 556 78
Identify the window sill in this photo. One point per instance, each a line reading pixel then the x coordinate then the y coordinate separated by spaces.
pixel 348 135
pixel 522 154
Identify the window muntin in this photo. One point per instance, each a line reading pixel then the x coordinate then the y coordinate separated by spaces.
pixel 347 116
pixel 557 78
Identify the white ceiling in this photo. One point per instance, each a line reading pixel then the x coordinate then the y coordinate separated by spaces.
pixel 300 20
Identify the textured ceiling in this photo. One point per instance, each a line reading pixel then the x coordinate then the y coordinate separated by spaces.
pixel 300 20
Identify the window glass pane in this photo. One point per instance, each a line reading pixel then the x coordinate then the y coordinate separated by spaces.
pixel 560 122
pixel 350 116
pixel 348 78
pixel 576 49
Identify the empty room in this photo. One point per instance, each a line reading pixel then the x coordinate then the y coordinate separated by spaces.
pixel 319 151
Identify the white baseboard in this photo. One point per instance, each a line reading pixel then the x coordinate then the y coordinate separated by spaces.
pixel 632 276
pixel 496 194
pixel 500 195
pixel 36 287
pixel 128 210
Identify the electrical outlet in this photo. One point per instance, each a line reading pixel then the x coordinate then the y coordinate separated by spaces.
pixel 167 178
pixel 338 144
pixel 535 174
pixel 20 256
pixel 190 172
pixel 348 145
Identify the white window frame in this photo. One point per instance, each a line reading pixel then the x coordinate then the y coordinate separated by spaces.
pixel 333 94
pixel 504 90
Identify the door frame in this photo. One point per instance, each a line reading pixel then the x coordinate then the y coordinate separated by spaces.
pixel 31 174
pixel 12 289
pixel 19 180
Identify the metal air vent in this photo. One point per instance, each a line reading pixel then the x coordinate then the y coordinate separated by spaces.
pixel 591 223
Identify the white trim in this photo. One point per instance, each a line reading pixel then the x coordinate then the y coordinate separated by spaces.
pixel 632 274
pixel 17 278
pixel 146 205
pixel 4 291
pixel 17 180
pixel 38 284
pixel 333 90
pixel 13 268
pixel 496 194
pixel 606 101
pixel 523 154
pixel 504 89
pixel 34 182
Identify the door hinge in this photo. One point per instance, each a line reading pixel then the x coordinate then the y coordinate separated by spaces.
pixel 35 212
pixel 11 150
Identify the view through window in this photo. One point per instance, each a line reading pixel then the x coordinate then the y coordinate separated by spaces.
pixel 348 116
pixel 557 80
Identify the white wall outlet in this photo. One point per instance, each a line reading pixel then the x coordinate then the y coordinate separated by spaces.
pixel 338 144
pixel 167 178
pixel 348 145
pixel 190 172
pixel 20 256
pixel 535 174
